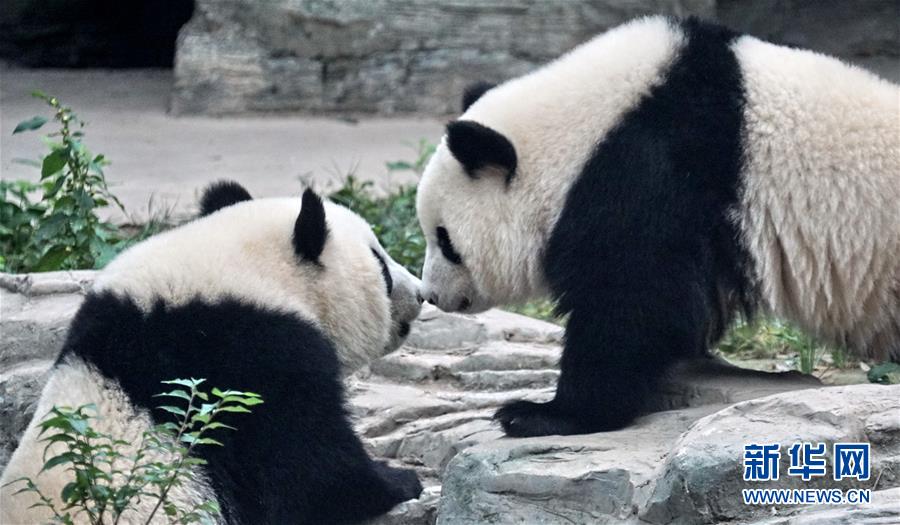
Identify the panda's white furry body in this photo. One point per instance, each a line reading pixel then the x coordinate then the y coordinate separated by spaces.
pixel 657 179
pixel 266 296
pixel 820 210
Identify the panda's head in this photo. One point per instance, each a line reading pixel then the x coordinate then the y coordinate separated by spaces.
pixel 301 255
pixel 476 205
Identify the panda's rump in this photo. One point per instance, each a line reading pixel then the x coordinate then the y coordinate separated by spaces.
pixel 73 383
pixel 819 211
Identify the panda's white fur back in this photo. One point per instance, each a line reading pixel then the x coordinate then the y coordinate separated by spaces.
pixel 821 201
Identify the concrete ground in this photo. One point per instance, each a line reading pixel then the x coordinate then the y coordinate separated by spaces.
pixel 166 159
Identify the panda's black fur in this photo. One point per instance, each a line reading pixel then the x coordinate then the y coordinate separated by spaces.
pixel 681 147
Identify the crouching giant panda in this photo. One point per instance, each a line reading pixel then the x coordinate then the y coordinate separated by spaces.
pixel 657 180
pixel 272 296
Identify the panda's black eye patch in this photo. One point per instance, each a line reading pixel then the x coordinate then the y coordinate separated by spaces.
pixel 446 246
pixel 388 280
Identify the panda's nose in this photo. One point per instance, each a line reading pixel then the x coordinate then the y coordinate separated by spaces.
pixel 434 299
pixel 419 297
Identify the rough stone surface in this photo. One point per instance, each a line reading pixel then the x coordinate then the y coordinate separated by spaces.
pixel 701 480
pixel 429 406
pixel 35 310
pixel 864 33
pixel 20 387
pixel 402 56
pixel 384 56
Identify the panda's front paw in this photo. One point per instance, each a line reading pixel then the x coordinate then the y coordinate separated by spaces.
pixel 404 482
pixel 526 418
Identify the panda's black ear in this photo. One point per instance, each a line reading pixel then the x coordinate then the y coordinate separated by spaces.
pixel 473 92
pixel 310 230
pixel 222 194
pixel 477 147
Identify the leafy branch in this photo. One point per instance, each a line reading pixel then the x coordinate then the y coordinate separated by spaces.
pixel 102 490
pixel 62 229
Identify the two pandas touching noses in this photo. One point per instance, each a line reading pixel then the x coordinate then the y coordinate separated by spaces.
pixel 656 181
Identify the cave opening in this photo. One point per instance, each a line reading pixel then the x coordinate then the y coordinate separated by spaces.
pixel 92 33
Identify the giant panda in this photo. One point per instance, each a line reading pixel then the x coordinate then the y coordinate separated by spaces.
pixel 656 181
pixel 280 296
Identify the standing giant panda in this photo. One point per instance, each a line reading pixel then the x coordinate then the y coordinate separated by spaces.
pixel 265 295
pixel 655 181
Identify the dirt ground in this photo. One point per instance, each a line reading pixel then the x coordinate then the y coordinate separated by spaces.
pixel 167 159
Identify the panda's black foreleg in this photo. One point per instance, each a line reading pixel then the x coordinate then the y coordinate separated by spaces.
pixel 618 345
pixel 402 483
pixel 359 489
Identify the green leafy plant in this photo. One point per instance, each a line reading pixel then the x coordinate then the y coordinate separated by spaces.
pixel 61 230
pixel 108 481
pixel 18 219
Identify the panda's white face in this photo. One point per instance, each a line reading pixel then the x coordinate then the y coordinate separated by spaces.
pixel 268 252
pixel 480 250
pixel 399 286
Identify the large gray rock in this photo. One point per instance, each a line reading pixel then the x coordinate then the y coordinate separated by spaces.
pixel 402 56
pixel 35 310
pixel 384 56
pixel 20 387
pixel 701 480
pixel 429 406
pixel 599 478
